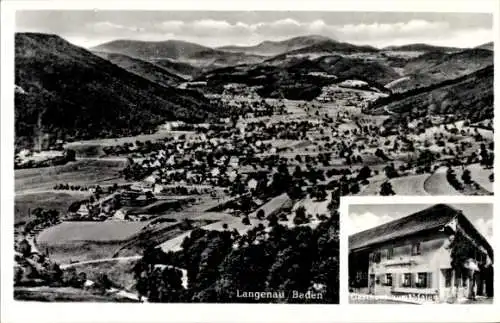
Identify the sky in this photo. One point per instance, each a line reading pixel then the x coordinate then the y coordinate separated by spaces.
pixel 366 216
pixel 88 28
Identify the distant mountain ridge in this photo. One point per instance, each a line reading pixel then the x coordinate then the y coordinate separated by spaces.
pixel 269 48
pixel 422 47
pixel 68 92
pixel 151 49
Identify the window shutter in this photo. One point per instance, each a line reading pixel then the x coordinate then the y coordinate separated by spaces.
pixel 429 280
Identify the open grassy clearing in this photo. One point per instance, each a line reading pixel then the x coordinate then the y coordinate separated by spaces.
pixel 90 231
pixel 79 241
pixel 405 185
pixel 437 184
pixel 273 205
pixel 313 206
pixel 76 251
pixel 481 176
pixel 24 204
pixel 83 172
pixel 132 139
pixel 473 189
pixel 410 185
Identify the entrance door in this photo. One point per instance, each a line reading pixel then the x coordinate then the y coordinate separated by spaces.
pixel 371 285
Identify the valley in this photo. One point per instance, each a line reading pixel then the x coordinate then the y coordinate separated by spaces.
pixel 246 148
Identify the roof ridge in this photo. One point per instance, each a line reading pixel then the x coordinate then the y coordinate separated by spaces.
pixel 404 226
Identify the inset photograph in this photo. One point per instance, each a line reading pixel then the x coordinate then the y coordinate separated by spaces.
pixel 420 253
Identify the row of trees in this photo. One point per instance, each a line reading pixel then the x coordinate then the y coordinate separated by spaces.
pixel 42 218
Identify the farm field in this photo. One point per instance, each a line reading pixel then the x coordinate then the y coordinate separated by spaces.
pixel 437 184
pixel 410 185
pixel 481 176
pixel 121 140
pixel 78 241
pixel 312 206
pixel 83 172
pixel 405 185
pixel 24 204
pixel 273 205
pixel 90 231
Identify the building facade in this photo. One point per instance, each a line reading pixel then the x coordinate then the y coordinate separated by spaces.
pixel 412 256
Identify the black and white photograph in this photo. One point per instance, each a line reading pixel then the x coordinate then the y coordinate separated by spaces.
pixel 420 253
pixel 199 156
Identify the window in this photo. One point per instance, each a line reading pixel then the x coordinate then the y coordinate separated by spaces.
pixel 423 280
pixel 390 253
pixel 375 257
pixel 406 280
pixel 415 249
pixel 448 275
pixel 388 279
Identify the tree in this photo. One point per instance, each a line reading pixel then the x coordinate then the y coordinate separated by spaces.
pixel 386 189
pixel 380 154
pixel 246 220
pixel 149 195
pixel 273 219
pixel 260 214
pixel 246 203
pixel 390 171
pixel 103 283
pixel 426 157
pixel 25 248
pixel 364 173
pixel 354 189
pixel 74 206
pixel 466 177
pixel 300 216
pixel 18 275
pixel 70 155
pixel 321 193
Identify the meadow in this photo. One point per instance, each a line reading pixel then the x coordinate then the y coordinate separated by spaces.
pixel 81 172
pixel 59 201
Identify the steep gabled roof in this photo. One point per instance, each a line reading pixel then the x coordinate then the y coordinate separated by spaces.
pixel 427 219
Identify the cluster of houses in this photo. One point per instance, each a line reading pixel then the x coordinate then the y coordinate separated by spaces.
pixel 347 94
pixel 116 206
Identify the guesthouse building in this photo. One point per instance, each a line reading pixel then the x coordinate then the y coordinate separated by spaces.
pixel 413 257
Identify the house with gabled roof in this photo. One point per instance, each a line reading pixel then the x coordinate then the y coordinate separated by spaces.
pixel 412 256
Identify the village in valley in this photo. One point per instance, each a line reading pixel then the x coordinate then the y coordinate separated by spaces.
pixel 282 160
pixel 193 210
